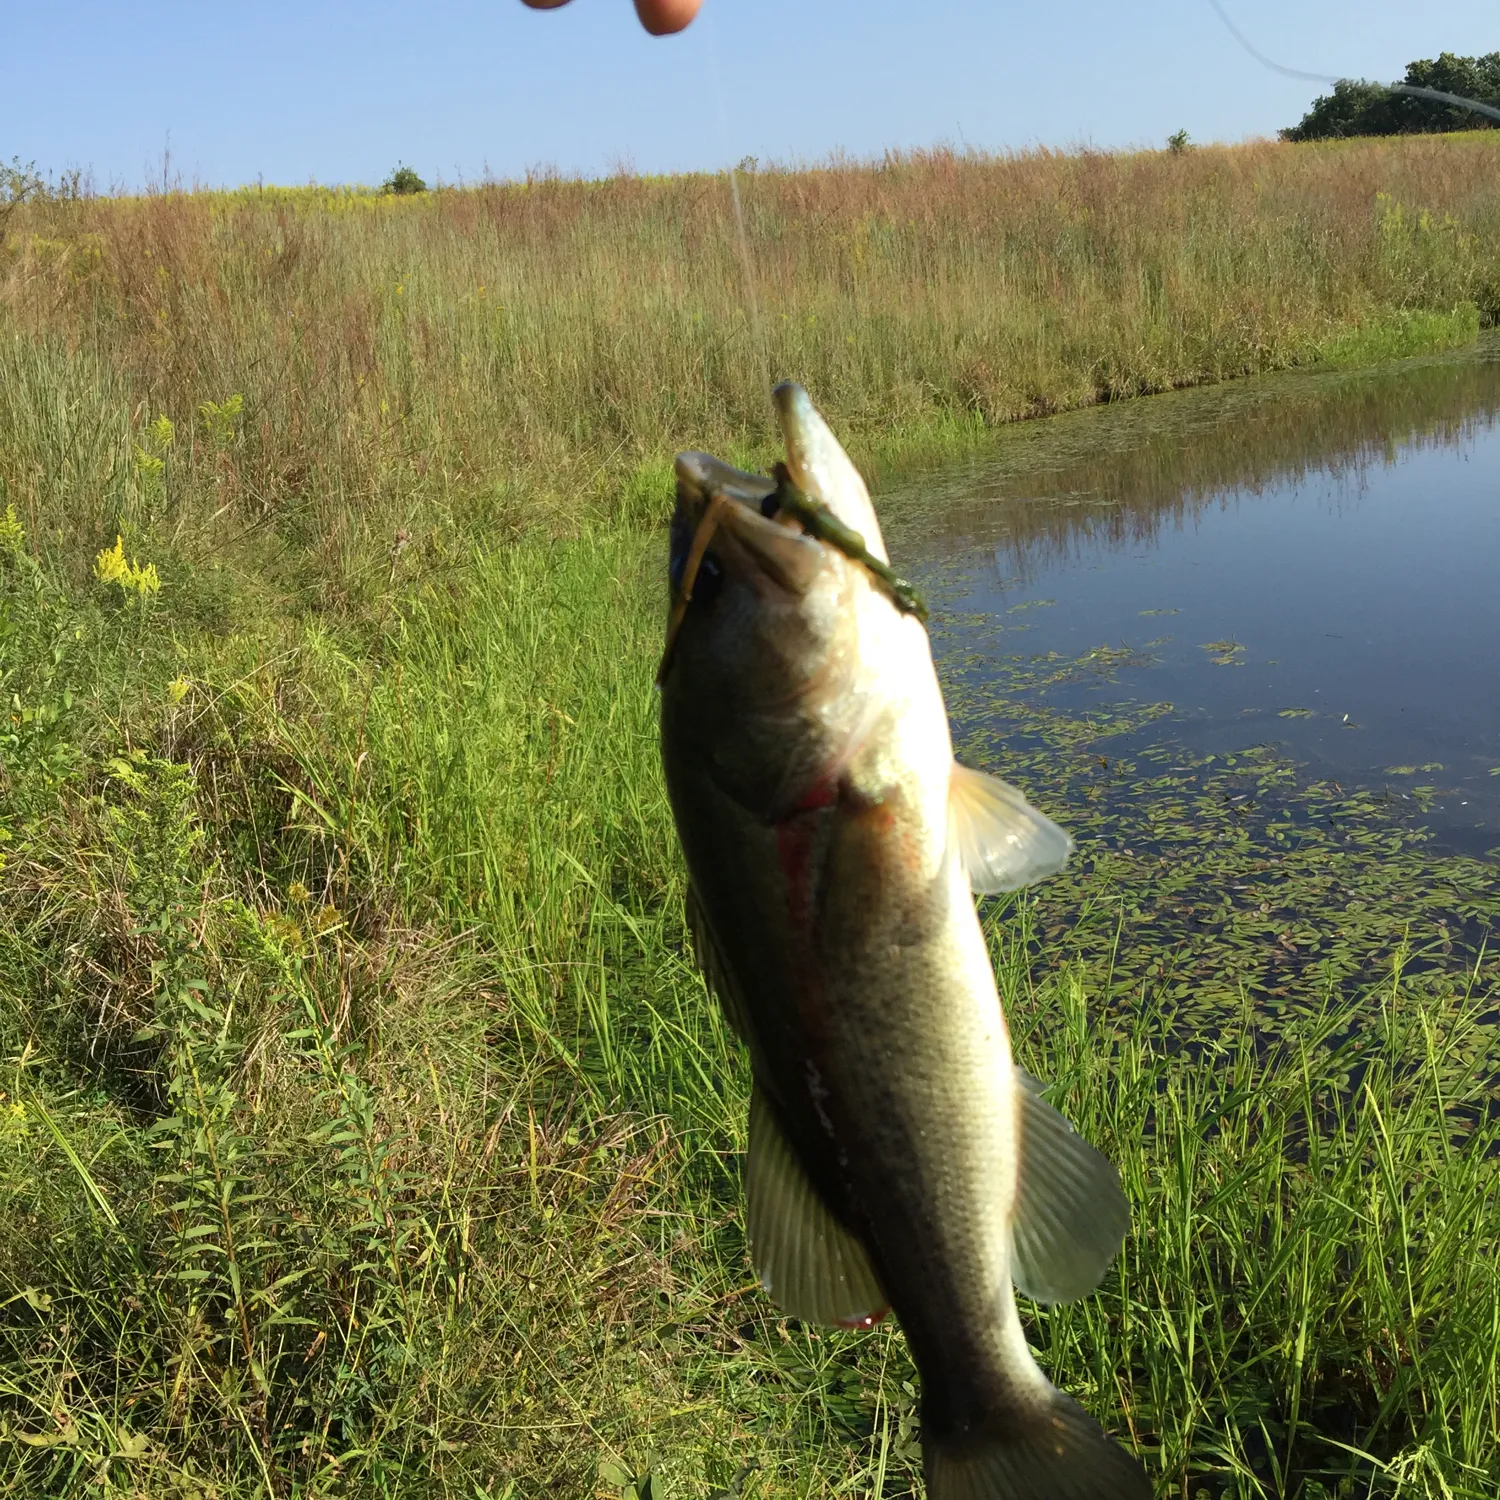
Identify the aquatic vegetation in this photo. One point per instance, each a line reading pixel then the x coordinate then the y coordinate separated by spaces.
pixel 1225 653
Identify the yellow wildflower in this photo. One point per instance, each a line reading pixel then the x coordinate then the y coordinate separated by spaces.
pixel 11 532
pixel 12 1121
pixel 219 418
pixel 112 566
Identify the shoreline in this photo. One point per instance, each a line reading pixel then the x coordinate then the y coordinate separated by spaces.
pixel 887 453
pixel 891 453
pixel 490 361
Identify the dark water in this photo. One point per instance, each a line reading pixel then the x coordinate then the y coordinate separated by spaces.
pixel 1310 562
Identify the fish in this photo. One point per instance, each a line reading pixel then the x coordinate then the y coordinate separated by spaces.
pixel 898 1160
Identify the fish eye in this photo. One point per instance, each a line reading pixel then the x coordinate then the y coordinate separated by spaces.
pixel 709 581
pixel 706 584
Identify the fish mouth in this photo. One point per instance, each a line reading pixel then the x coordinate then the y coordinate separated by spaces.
pixel 737 514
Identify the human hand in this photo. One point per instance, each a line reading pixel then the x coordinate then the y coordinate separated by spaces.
pixel 659 17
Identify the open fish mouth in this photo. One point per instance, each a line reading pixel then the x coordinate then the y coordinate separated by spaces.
pixel 743 511
pixel 779 524
pixel 701 476
pixel 740 517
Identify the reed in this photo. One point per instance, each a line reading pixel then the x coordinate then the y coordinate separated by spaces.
pixel 513 355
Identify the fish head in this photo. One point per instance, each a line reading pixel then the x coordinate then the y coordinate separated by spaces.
pixel 763 651
pixel 746 554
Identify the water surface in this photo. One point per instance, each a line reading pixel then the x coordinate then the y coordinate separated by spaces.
pixel 1308 562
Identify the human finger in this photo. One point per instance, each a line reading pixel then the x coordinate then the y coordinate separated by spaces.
pixel 662 17
pixel 659 17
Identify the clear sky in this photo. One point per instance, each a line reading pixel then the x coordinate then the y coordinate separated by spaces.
pixel 295 90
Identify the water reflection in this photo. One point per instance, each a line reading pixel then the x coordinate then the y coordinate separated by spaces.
pixel 1307 561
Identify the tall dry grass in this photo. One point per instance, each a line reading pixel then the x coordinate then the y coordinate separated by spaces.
pixel 536 351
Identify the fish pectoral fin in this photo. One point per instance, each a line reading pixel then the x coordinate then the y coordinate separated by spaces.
pixel 1070 1214
pixel 1004 841
pixel 813 1268
pixel 715 973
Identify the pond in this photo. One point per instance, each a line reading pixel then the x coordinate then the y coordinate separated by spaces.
pixel 1244 643
pixel 1306 563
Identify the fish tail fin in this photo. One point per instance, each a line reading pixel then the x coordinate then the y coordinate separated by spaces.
pixel 1058 1452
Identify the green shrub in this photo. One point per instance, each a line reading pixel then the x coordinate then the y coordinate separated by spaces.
pixel 402 181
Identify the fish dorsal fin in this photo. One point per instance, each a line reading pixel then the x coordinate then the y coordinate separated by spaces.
pixel 813 1268
pixel 1004 841
pixel 715 974
pixel 1070 1215
pixel 821 469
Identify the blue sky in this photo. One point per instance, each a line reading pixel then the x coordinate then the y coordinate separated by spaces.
pixel 296 90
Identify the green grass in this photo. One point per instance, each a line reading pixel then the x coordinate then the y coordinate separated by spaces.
pixel 365 1129
pixel 1404 333
pixel 375 1136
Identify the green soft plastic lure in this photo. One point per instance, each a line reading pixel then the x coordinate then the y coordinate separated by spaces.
pixel 819 521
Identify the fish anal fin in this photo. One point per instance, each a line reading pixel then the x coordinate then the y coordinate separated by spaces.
pixel 1070 1214
pixel 810 1264
pixel 1004 841
pixel 712 966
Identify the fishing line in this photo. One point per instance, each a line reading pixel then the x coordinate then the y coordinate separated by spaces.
pixel 1415 90
pixel 757 327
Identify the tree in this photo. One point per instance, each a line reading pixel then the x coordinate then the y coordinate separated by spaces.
pixel 402 181
pixel 1356 107
pixel 17 184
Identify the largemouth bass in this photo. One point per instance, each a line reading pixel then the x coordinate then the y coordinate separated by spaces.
pixel 898 1158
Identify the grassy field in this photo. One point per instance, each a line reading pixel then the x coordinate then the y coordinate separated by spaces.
pixel 364 1130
